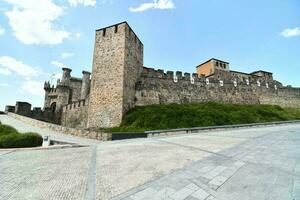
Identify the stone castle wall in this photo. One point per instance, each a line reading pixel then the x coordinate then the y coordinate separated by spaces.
pixel 156 87
pixel 75 115
pixel 284 97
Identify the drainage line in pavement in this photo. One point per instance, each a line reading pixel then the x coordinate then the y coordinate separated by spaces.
pixel 195 148
pixel 90 192
pixel 6 153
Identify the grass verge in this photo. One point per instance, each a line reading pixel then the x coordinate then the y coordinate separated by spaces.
pixel 156 117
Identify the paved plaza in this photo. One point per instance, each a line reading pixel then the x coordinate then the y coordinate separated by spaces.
pixel 261 163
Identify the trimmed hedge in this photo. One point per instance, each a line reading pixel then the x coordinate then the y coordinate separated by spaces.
pixel 171 116
pixel 11 138
pixel 7 130
pixel 21 140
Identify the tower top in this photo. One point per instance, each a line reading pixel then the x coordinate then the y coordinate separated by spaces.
pixel 125 22
pixel 212 59
pixel 115 26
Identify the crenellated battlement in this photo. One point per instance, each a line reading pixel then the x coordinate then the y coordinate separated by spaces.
pixel 75 105
pixel 159 87
pixel 225 81
pixel 53 91
pixel 110 32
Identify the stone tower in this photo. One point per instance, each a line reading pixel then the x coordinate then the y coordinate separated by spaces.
pixel 85 88
pixel 63 90
pixel 117 65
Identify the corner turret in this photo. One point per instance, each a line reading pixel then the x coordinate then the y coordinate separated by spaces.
pixel 85 87
pixel 66 76
pixel 47 86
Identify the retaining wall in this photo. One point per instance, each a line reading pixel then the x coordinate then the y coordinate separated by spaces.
pixel 62 129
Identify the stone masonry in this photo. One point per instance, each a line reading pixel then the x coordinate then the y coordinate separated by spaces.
pixel 117 64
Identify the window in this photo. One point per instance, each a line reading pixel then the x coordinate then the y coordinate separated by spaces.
pixel 192 80
pixel 116 28
pixel 217 64
pixel 235 83
pixel 175 79
pixel 258 83
pixel 104 32
pixel 221 83
pixel 207 81
pixel 247 82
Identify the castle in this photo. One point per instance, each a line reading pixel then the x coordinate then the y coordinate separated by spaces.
pixel 119 81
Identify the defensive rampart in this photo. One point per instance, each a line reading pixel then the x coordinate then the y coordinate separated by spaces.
pixel 157 87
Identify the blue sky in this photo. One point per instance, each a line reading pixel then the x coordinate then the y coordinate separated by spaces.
pixel 38 37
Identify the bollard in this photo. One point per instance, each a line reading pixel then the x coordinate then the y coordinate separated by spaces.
pixel 46 141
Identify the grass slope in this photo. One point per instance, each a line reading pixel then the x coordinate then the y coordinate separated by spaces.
pixel 11 138
pixel 155 117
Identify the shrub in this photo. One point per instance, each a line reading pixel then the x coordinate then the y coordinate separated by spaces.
pixel 7 130
pixel 17 140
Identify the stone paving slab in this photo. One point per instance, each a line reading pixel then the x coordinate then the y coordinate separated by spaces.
pixel 263 168
pixel 126 164
pixel 49 174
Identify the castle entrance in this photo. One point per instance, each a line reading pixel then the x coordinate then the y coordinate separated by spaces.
pixel 53 107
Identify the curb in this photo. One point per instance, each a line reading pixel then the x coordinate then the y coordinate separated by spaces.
pixel 43 148
pixel 156 133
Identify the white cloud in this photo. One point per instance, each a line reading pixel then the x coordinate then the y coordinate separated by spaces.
pixel 156 4
pixel 59 64
pixel 290 32
pixel 2 31
pixel 75 3
pixel 67 55
pixel 33 21
pixel 33 87
pixel 5 71
pixel 9 65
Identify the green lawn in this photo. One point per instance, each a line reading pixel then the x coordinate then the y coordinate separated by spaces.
pixel 11 138
pixel 156 117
